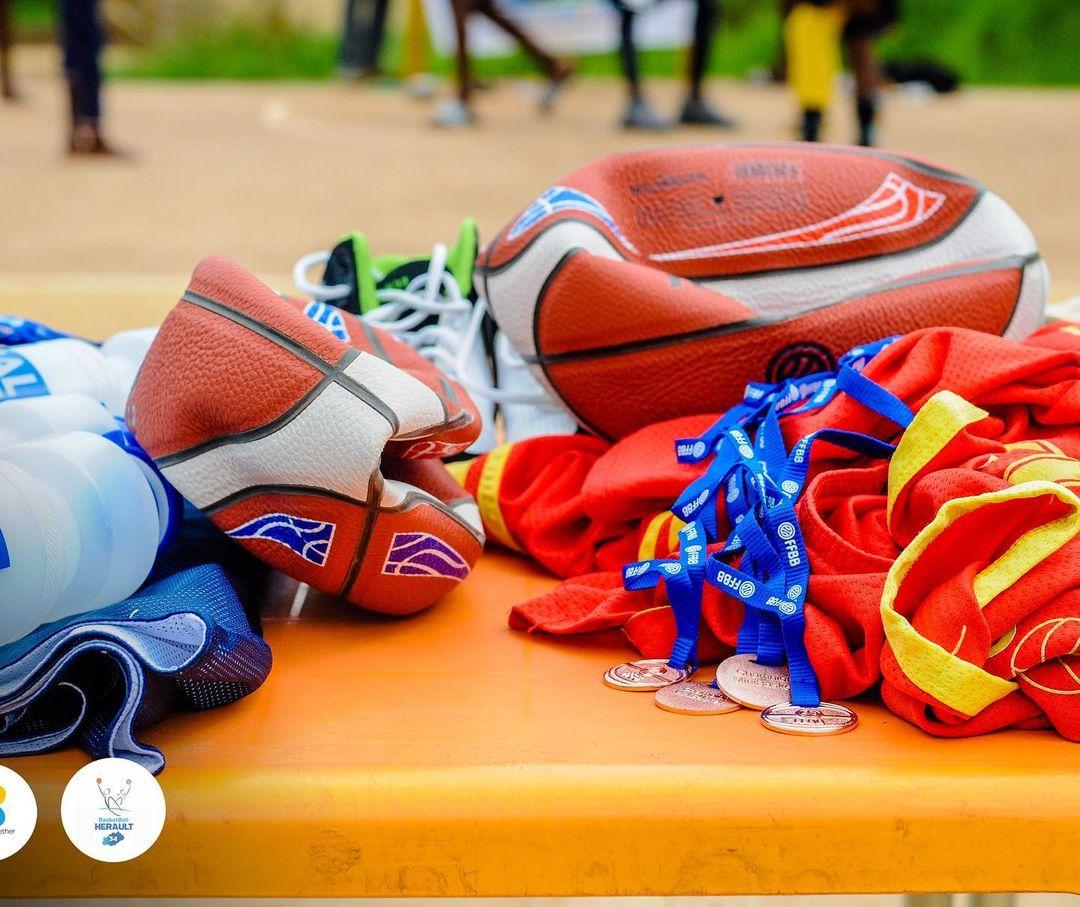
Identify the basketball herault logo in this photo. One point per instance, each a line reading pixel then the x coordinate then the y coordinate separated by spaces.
pixel 563 198
pixel 310 539
pixel 113 817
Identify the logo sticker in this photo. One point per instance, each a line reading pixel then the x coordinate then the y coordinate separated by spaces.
pixel 113 810
pixel 421 554
pixel 18 812
pixel 563 198
pixel 896 205
pixel 328 317
pixel 310 539
pixel 19 378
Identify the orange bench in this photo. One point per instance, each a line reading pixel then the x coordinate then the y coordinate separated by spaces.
pixel 448 755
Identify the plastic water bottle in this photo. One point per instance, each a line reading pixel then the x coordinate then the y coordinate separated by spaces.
pixel 79 527
pixel 67 366
pixel 30 418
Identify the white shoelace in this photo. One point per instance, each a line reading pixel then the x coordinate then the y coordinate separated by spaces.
pixel 434 293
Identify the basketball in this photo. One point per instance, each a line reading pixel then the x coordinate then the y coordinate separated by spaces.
pixel 306 437
pixel 656 284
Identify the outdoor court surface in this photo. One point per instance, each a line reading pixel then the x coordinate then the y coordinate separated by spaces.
pixel 446 754
pixel 265 173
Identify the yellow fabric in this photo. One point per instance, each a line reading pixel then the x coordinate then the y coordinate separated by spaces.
pixel 459 469
pixel 941 418
pixel 673 533
pixel 650 539
pixel 812 41
pixel 647 545
pixel 1033 547
pixel 951 680
pixel 487 497
pixel 1045 467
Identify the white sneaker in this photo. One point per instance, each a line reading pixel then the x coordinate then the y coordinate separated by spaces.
pixel 430 304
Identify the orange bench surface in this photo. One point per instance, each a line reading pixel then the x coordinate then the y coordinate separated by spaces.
pixel 446 754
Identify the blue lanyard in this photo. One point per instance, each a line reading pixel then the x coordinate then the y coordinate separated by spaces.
pixel 802 395
pixel 758 482
pixel 683 580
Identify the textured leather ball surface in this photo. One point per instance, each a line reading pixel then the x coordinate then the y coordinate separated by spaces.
pixel 312 444
pixel 656 284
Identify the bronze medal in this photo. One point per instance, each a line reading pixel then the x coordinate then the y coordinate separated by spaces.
pixel 755 686
pixel 644 675
pixel 809 721
pixel 691 697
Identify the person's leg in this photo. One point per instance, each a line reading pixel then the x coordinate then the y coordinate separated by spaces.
pixel 639 113
pixel 697 111
pixel 812 42
pixel 83 41
pixel 351 39
pixel 7 85
pixel 457 112
pixel 547 63
pixel 378 33
pixel 704 24
pixel 628 56
pixel 867 73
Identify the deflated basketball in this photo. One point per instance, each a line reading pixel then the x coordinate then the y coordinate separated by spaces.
pixel 656 284
pixel 313 441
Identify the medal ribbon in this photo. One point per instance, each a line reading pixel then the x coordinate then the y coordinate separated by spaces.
pixel 683 581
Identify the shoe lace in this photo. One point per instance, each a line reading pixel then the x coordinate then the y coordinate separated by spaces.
pixel 402 312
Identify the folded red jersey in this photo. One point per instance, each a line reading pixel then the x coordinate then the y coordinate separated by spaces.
pixel 869 526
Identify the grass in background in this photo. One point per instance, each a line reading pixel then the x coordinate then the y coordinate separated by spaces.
pixel 998 42
pixel 237 50
pixel 34 20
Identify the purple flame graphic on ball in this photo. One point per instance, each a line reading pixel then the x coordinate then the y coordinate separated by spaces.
pixel 421 554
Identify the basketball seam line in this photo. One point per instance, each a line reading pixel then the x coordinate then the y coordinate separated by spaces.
pixel 371 517
pixel 297 349
pixel 736 327
pixel 260 431
pixel 540 297
pixel 760 273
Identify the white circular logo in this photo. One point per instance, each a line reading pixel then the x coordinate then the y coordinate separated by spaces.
pixel 732 491
pixel 789 486
pixel 18 812
pixel 113 810
pixel 747 589
pixel 786 531
pixel 670 568
pixel 699 449
pixel 746 451
pixel 787 607
pixel 794 592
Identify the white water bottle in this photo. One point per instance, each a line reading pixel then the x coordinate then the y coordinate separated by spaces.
pixel 79 529
pixel 68 366
pixel 29 418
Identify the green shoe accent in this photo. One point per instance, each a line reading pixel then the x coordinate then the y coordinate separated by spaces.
pixel 352 263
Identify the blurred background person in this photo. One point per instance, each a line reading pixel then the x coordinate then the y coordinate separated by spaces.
pixel 82 40
pixel 362 38
pixel 815 31
pixel 7 83
pixel 696 111
pixel 459 112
